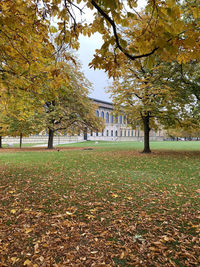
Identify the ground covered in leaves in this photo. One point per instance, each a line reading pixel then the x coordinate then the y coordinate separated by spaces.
pixel 101 207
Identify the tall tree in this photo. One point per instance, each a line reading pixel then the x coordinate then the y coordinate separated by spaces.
pixel 148 98
pixel 67 106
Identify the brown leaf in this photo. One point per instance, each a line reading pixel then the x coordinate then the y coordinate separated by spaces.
pixel 27 262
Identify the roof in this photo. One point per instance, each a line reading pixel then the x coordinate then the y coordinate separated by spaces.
pixel 101 101
pixel 103 104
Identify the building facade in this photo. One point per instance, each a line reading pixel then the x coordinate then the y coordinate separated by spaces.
pixel 116 127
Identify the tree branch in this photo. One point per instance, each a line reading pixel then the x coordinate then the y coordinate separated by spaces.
pixel 112 23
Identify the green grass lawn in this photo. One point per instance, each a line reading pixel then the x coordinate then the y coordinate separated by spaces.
pixel 131 145
pixel 110 206
pixel 23 145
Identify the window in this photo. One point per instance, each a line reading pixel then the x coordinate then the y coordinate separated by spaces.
pixel 124 119
pixel 124 132
pixel 111 132
pixel 102 133
pixel 107 133
pixel 128 132
pixel 111 118
pixel 107 117
pixel 91 133
pixel 120 119
pixel 97 133
pixel 102 114
pixel 121 133
pixel 97 113
pixel 116 119
pixel 116 133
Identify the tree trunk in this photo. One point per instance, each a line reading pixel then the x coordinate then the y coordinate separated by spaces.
pixel 20 140
pixel 0 141
pixel 146 134
pixel 50 139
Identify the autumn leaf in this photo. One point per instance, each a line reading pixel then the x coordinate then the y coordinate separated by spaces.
pixel 13 211
pixel 114 195
pixel 14 259
pixel 27 263
pixel 28 230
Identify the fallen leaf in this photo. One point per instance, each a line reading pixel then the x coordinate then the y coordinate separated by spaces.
pixel 13 211
pixel 27 262
pixel 68 213
pixel 41 258
pixel 122 255
pixel 114 195
pixel 36 248
pixel 14 259
pixel 28 230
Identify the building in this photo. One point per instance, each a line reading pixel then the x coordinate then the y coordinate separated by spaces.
pixel 116 127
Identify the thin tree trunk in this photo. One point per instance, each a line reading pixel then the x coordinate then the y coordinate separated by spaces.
pixel 146 134
pixel 0 141
pixel 50 139
pixel 20 140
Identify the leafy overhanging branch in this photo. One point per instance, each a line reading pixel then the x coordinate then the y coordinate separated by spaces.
pixel 112 22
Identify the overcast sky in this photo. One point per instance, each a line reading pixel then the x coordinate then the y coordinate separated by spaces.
pixel 87 49
pixel 98 78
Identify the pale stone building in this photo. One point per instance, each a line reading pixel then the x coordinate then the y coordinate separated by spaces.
pixel 116 127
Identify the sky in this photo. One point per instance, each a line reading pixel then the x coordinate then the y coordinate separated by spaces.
pixel 98 78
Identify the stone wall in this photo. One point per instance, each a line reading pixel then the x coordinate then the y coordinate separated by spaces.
pixel 39 139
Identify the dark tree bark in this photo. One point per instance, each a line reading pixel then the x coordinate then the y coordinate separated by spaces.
pixel 50 139
pixel 146 134
pixel 0 141
pixel 20 140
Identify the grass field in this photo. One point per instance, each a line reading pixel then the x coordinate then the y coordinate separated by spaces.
pixel 23 145
pixel 138 146
pixel 109 206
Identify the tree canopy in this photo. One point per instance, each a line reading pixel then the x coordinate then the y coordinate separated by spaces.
pixel 33 32
pixel 67 107
pixel 162 28
pixel 155 97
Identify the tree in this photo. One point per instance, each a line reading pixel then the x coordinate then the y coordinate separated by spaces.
pixel 20 115
pixel 148 98
pixel 168 29
pixel 25 48
pixel 161 29
pixel 67 107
